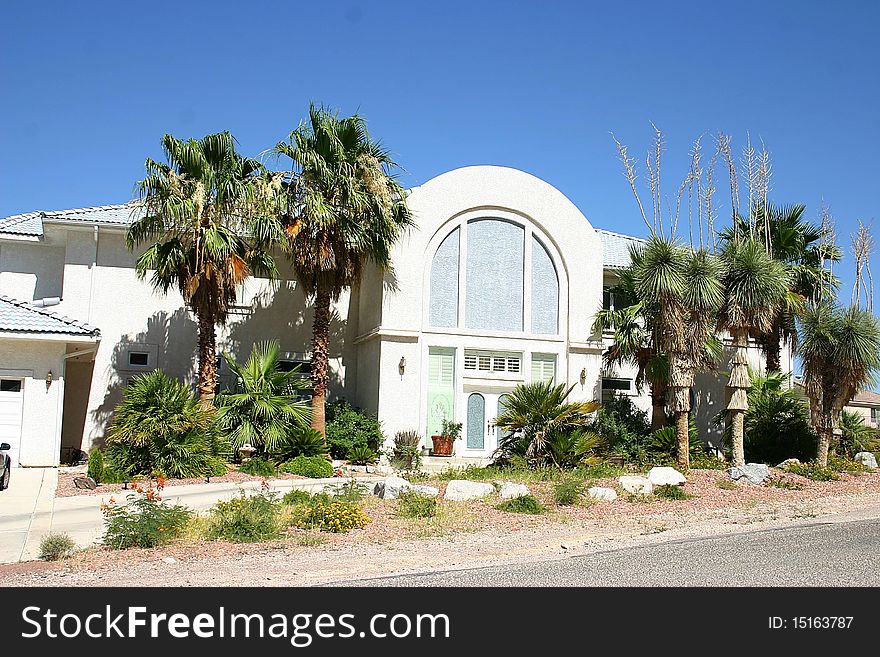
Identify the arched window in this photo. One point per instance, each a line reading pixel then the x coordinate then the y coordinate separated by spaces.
pixel 476 418
pixel 498 265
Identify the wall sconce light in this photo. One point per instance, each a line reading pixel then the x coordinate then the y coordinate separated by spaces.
pixel 583 376
pixel 401 366
pixel 48 379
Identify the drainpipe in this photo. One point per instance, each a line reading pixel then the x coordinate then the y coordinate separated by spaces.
pixel 92 275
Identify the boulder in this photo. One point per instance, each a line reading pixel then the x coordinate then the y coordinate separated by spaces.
pixel 636 484
pixel 86 483
pixel 510 490
pixel 867 459
pixel 754 473
pixel 391 487
pixel 666 476
pixel 427 491
pixel 602 494
pixel 788 462
pixel 459 490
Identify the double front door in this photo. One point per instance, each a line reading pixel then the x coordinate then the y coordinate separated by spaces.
pixel 480 434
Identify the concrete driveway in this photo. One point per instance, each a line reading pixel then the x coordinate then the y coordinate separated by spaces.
pixel 25 511
pixel 29 509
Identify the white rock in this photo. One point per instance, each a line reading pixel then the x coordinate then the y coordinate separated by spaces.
pixel 788 462
pixel 602 494
pixel 665 476
pixel 391 487
pixel 427 491
pixel 169 560
pixel 867 459
pixel 754 473
pixel 459 490
pixel 510 490
pixel 636 484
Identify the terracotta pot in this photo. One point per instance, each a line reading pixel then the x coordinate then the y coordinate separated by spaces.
pixel 442 445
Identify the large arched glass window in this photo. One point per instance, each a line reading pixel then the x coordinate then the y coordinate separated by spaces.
pixel 494 274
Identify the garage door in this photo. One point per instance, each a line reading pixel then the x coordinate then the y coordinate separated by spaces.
pixel 11 398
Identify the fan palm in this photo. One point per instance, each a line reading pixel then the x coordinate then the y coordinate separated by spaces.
pixel 534 412
pixel 840 350
pixel 803 248
pixel 683 288
pixel 263 409
pixel 201 212
pixel 755 292
pixel 343 209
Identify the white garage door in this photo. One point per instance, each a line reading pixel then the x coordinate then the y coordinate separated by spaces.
pixel 11 398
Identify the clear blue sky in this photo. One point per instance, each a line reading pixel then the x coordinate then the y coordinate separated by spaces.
pixel 88 88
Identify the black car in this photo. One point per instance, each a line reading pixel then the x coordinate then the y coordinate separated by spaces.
pixel 5 465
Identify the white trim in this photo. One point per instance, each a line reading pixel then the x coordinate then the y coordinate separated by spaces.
pixel 48 337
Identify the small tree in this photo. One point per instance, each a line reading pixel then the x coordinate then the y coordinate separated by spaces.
pixel 840 349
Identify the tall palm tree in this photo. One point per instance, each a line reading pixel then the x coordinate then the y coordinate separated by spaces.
pixel 755 292
pixel 840 349
pixel 683 287
pixel 263 408
pixel 343 209
pixel 200 213
pixel 803 248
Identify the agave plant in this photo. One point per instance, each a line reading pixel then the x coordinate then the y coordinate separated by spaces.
pixel 534 412
pixel 263 409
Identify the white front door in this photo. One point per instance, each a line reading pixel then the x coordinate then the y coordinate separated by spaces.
pixel 480 435
pixel 11 403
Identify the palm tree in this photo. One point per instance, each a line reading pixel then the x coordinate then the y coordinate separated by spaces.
pixel 803 248
pixel 683 287
pixel 840 350
pixel 534 412
pixel 200 212
pixel 263 409
pixel 343 209
pixel 755 292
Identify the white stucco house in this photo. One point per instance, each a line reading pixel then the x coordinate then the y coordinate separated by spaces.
pixel 497 286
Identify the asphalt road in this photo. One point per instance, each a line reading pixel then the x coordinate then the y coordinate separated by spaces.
pixel 821 554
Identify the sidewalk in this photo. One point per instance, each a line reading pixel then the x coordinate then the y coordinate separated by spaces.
pixel 26 511
pixel 35 511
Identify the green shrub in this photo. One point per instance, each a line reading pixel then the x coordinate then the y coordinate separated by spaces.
pixel 843 464
pixel 56 546
pixel 96 465
pixel 245 519
pixel 524 504
pixel 263 409
pixel 331 515
pixel 299 442
pixel 348 427
pixel 568 492
pixel 406 454
pixel 779 481
pixel 217 467
pixel 314 467
pixel 415 505
pixel 296 496
pixel 812 470
pixel 351 491
pixel 258 467
pixel 160 428
pixel 361 455
pixel 856 436
pixel 665 441
pixel 670 492
pixel 777 422
pixel 625 428
pixel 708 462
pixel 144 522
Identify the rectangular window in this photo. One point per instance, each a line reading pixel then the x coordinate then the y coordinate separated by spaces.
pixel 543 367
pixel 614 299
pixel 491 362
pixel 441 388
pixel 138 358
pixel 10 385
pixel 875 415
pixel 615 386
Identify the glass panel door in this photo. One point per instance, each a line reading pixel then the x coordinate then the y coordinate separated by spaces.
pixel 476 421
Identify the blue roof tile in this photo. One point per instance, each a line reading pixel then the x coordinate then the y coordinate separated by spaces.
pixel 20 317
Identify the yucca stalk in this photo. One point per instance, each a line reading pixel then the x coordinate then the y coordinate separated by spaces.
pixel 755 292
pixel 207 225
pixel 343 208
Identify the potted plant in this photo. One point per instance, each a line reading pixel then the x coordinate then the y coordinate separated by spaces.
pixel 449 433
